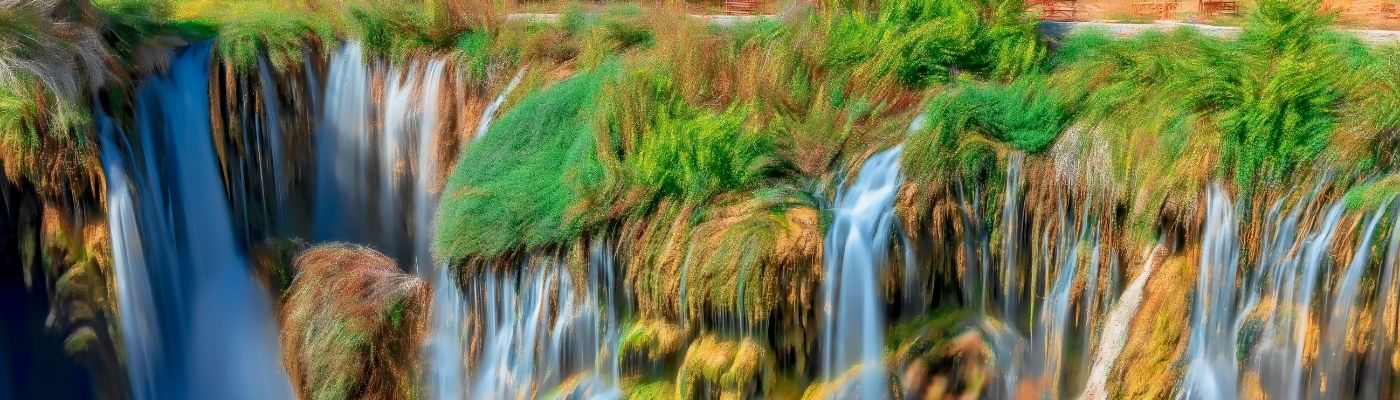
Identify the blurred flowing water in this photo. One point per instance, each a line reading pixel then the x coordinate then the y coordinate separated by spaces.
pixel 1287 324
pixel 196 324
pixel 857 250
pixel 1299 319
pixel 523 354
pixel 540 329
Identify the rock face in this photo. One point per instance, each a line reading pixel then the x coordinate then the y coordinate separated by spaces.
pixel 353 325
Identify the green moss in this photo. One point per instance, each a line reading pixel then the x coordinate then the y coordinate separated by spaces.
pixel 514 187
pixel 1372 195
pixel 651 340
pixel 937 325
pixel 649 390
pixel 80 341
pixel 715 367
pixel 249 30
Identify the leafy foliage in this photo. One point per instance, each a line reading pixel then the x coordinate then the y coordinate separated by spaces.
pixel 1282 104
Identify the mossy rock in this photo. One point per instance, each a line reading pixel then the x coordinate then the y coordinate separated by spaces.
pixel 725 369
pixel 639 389
pixel 933 356
pixel 650 343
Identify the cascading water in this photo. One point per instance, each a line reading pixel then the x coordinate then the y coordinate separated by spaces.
pixel 196 323
pixel 1289 323
pixel 539 331
pixel 1011 231
pixel 379 175
pixel 1377 364
pixel 1332 359
pixel 1287 287
pixel 1051 334
pixel 366 169
pixel 856 251
pixel 535 327
pixel 1211 372
pixel 343 162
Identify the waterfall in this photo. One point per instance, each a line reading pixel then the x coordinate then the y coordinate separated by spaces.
pixel 195 321
pixel 536 328
pixel 446 352
pixel 490 112
pixel 272 124
pixel 1310 312
pixel 1011 236
pixel 342 144
pixel 1378 363
pixel 539 331
pixel 856 250
pixel 1051 336
pixel 1043 363
pixel 1332 359
pixel 1211 372
pixel 378 176
pixel 376 168
pixel 1287 286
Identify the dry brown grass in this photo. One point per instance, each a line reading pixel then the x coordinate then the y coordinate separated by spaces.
pixel 353 325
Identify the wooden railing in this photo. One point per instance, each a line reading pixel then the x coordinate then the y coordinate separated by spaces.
pixel 1215 8
pixel 1363 10
pixel 1156 9
pixel 740 7
pixel 1055 10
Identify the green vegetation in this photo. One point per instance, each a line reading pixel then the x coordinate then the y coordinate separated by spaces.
pixel 249 30
pixel 928 40
pixel 516 185
pixel 48 61
pixel 651 341
pixel 708 153
pixel 715 367
pixel 1025 115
